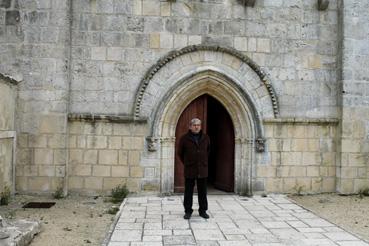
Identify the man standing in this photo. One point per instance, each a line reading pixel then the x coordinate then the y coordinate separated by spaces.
pixel 193 151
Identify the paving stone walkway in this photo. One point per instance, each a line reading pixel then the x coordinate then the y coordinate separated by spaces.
pixel 234 220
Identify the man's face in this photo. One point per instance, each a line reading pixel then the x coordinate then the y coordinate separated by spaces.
pixel 196 127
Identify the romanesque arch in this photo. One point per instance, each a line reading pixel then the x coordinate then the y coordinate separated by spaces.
pixel 242 89
pixel 191 58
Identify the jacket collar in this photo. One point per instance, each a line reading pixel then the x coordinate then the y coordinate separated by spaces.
pixel 201 136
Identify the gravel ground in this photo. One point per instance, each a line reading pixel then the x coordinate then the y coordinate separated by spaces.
pixel 348 212
pixel 71 221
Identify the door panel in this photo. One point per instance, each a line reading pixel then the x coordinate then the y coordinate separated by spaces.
pixel 196 109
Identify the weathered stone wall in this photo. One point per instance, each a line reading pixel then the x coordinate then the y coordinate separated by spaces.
pixel 34 35
pixel 103 155
pixel 353 172
pixel 6 165
pixel 115 42
pixel 11 37
pixel 94 61
pixel 7 112
pixel 302 158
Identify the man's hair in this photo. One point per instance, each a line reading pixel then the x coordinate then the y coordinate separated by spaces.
pixel 195 121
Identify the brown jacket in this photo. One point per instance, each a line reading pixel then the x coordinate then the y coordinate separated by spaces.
pixel 194 155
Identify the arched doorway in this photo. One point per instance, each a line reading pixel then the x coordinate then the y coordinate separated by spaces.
pixel 181 76
pixel 240 107
pixel 217 123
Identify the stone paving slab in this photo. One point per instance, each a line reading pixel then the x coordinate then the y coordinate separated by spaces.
pixel 234 220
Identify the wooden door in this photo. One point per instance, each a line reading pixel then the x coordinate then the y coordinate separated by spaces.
pixel 196 109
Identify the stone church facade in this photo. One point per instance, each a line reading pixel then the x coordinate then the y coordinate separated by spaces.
pixel 91 91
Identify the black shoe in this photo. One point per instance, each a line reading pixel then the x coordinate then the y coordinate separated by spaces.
pixel 187 216
pixel 204 215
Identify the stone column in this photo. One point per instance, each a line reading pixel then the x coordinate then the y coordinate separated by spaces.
pixel 244 159
pixel 167 165
pixel 352 174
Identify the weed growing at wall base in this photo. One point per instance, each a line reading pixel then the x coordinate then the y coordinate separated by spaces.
pixel 119 193
pixel 5 196
pixel 363 192
pixel 59 193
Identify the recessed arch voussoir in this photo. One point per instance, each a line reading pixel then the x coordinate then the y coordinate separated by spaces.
pixel 205 54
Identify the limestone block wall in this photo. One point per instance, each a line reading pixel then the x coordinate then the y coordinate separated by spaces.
pixel 302 158
pixel 90 56
pixel 35 35
pixel 103 155
pixel 115 42
pixel 8 96
pixel 6 163
pixel 354 79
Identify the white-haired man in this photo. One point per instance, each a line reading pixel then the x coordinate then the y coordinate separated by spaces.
pixel 193 151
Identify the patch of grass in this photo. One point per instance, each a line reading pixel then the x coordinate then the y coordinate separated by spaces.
pixel 5 196
pixel 113 210
pixel 107 199
pixel 363 192
pixel 119 193
pixel 59 193
pixel 299 189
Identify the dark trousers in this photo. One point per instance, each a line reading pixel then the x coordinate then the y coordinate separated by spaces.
pixel 201 193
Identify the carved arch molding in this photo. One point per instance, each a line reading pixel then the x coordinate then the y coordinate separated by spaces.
pixel 180 67
pixel 145 82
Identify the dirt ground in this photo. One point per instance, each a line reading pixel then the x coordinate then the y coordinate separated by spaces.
pixel 71 221
pixel 348 212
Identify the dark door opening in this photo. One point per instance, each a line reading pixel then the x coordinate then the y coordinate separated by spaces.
pixel 217 123
pixel 221 159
